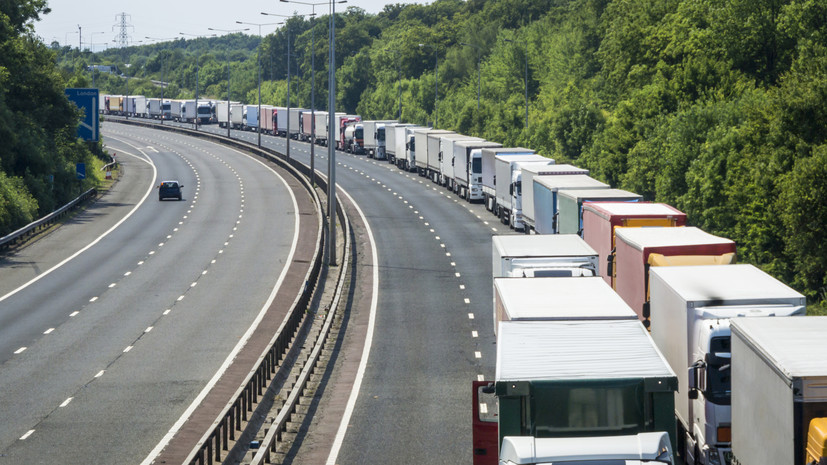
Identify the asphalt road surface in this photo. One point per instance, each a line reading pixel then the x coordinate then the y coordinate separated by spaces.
pixel 433 330
pixel 111 325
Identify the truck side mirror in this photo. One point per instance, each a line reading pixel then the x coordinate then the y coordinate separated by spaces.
pixel 511 189
pixel 610 264
pixel 696 379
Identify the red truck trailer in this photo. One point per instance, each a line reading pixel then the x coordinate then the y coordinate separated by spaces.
pixel 637 249
pixel 601 218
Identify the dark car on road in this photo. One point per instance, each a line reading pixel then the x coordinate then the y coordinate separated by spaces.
pixel 169 190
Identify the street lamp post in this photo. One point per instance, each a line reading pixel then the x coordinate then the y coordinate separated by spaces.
pixel 197 70
pixel 436 82
pixel 479 57
pixel 312 87
pixel 331 123
pixel 398 82
pixel 163 83
pixel 228 31
pixel 287 136
pixel 92 40
pixel 525 81
pixel 259 71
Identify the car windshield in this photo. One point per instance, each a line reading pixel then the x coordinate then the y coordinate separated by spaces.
pixel 170 184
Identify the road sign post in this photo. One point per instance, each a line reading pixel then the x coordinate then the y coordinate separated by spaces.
pixel 87 100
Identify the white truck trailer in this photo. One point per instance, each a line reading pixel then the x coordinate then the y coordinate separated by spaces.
pixel 779 390
pixel 411 142
pixel 222 113
pixel 468 168
pixel 446 157
pixel 281 121
pixel 395 141
pixel 489 172
pixel 508 186
pixel 371 136
pixel 542 256
pixel 154 108
pixel 251 118
pixel 549 299
pixel 545 197
pixel 420 156
pixel 236 115
pixel 294 122
pixel 188 111
pixel 691 308
pixel 137 106
pixel 321 127
pixel 435 154
pixel 176 110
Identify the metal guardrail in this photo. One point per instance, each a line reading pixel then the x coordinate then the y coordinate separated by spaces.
pixel 270 441
pixel 229 421
pixel 12 238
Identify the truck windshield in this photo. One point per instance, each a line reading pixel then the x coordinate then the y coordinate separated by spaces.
pixel 380 134
pixel 718 380
pixel 360 133
pixel 476 166
pixel 590 411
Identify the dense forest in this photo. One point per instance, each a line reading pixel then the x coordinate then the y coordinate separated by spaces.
pixel 718 107
pixel 38 144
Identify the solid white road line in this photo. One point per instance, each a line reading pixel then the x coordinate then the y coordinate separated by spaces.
pixel 360 373
pixel 243 341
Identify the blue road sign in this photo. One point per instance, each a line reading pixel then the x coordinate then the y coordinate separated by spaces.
pixel 87 100
pixel 80 169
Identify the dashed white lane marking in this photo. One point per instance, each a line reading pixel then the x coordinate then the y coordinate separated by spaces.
pixel 128 348
pixel 475 334
pixel 49 331
pixel 73 314
pixel 100 373
pixel 93 299
pixel 99 238
pixel 66 402
pixel 470 316
pixel 19 351
pixel 26 436
pixel 477 354
pixel 467 300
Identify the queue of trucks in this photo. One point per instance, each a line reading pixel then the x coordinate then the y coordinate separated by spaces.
pixel 623 334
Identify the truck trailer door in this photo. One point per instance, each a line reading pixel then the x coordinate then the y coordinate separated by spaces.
pixel 484 425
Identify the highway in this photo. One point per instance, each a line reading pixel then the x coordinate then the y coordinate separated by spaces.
pixel 433 330
pixel 111 325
